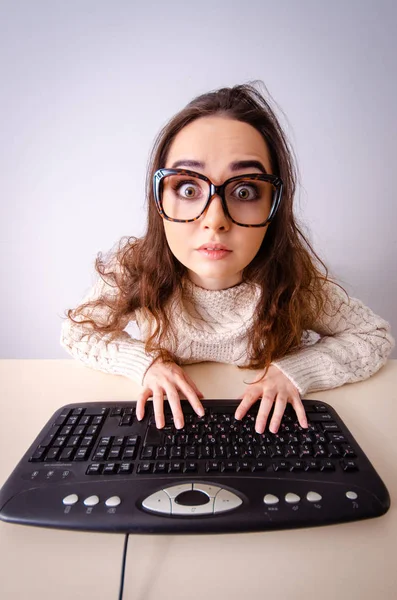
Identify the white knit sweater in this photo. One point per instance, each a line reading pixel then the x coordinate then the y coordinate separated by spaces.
pixel 212 325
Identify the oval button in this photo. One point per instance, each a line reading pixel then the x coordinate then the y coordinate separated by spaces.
pixel 226 500
pixel 292 498
pixel 71 499
pixel 313 497
pixel 270 499
pixel 351 495
pixel 158 502
pixel 113 501
pixel 174 490
pixel 91 501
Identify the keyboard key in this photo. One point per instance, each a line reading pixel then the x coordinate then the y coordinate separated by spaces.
pixel 95 411
pixel 175 467
pixel 125 468
pixel 297 465
pixel 212 465
pixel 349 465
pixel 105 441
pixel 148 452
pixel 327 465
pixel 282 465
pixel 319 417
pixel 114 453
pixel 129 452
pixel 59 441
pixel 244 465
pixel 191 452
pixel 132 440
pixel 109 469
pixel 144 467
pixel 259 465
pixel 38 455
pixel 162 452
pixel 161 467
pixel 52 454
pixel 190 467
pixel 81 454
pixel 312 465
pixel 347 450
pixel 94 469
pixel 66 454
pixel 231 465
pixel 118 441
pixel 47 441
pixel 62 417
pixel 100 454
pixel 330 427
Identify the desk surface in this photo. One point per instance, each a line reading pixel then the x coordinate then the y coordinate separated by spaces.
pixel 354 560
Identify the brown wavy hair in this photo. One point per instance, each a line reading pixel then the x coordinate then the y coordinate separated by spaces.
pixel 145 275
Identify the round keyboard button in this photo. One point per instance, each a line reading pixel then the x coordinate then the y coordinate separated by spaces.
pixel 158 502
pixel 210 490
pixel 91 501
pixel 173 490
pixel 226 500
pixel 270 499
pixel 313 497
pixel 70 500
pixel 113 501
pixel 292 498
pixel 351 495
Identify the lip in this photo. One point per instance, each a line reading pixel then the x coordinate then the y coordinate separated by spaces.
pixel 213 246
pixel 214 251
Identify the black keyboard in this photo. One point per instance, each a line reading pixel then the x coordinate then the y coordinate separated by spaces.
pixel 95 467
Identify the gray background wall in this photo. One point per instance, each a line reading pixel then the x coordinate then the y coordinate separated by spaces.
pixel 86 86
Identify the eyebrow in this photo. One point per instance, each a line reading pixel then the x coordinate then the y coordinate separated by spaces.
pixel 234 166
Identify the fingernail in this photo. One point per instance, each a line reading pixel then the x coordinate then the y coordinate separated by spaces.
pixel 201 412
pixel 179 424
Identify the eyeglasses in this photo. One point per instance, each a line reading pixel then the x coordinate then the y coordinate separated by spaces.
pixel 248 200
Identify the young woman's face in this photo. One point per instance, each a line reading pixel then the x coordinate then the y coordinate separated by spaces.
pixel 211 146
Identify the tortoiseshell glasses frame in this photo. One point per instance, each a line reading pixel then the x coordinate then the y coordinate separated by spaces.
pixel 160 174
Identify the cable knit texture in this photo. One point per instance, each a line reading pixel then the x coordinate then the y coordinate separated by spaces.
pixel 348 343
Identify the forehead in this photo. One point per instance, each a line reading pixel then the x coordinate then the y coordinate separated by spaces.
pixel 216 140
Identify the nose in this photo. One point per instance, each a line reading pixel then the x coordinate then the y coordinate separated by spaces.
pixel 215 217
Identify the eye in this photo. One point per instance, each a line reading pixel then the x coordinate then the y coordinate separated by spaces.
pixel 246 191
pixel 188 189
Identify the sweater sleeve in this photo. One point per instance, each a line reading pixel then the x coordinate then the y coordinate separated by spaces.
pixel 354 344
pixel 122 356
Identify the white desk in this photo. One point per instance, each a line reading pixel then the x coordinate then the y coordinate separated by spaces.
pixel 353 560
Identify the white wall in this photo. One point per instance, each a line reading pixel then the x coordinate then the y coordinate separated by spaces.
pixel 86 85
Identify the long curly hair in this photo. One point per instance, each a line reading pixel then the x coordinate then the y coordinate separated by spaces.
pixel 145 275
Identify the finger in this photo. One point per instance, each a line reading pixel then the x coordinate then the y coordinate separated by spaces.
pixel 191 396
pixel 158 407
pixel 300 412
pixel 263 413
pixel 175 404
pixel 249 398
pixel 140 404
pixel 279 408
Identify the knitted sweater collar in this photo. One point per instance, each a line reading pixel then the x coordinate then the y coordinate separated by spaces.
pixel 227 300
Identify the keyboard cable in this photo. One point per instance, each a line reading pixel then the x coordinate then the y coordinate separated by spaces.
pixel 123 567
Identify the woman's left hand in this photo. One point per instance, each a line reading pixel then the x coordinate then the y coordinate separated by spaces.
pixel 275 388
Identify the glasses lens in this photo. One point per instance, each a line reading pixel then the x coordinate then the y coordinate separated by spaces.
pixel 249 201
pixel 183 196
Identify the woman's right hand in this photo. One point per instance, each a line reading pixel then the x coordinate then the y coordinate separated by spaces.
pixel 169 379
